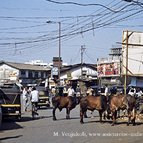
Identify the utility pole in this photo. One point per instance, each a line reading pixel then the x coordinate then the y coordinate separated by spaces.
pixel 59 37
pixel 126 67
pixel 59 51
pixel 82 51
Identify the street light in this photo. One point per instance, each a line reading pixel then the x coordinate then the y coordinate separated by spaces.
pixel 59 65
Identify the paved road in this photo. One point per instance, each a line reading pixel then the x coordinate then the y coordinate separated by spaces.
pixel 45 130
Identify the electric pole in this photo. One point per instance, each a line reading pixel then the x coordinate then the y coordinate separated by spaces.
pixel 126 68
pixel 82 51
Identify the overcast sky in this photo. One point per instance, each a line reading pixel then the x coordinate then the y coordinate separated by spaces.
pixel 25 35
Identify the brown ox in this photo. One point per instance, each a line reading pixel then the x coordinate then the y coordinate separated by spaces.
pixel 93 103
pixel 122 102
pixel 67 102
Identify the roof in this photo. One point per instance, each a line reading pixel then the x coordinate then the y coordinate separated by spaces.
pixel 22 66
pixel 69 67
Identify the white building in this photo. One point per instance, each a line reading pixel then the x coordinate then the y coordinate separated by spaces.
pixel 24 73
pixel 132 49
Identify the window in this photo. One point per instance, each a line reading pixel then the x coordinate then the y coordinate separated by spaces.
pixel 30 74
pixel 23 73
pixel 36 74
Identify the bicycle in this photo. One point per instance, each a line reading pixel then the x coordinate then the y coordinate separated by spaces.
pixel 34 110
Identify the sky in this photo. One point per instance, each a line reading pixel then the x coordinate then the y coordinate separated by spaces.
pixel 25 34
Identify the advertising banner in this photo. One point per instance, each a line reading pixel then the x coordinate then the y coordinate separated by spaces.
pixel 108 69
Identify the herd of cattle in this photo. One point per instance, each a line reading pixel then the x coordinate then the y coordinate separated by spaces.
pixel 108 106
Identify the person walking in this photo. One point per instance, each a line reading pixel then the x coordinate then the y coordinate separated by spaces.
pixel 25 98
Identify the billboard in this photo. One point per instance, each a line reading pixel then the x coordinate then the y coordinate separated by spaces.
pixel 132 53
pixel 108 69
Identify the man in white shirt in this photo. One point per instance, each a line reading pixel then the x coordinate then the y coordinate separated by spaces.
pixel 71 91
pixel 35 97
pixel 132 91
pixel 106 91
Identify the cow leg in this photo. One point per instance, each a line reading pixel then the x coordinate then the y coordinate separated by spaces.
pixel 129 117
pixel 105 115
pixel 85 114
pixel 134 117
pixel 54 116
pixel 81 117
pixel 67 113
pixel 114 118
pixel 82 113
pixel 100 114
pixel 119 114
pixel 133 121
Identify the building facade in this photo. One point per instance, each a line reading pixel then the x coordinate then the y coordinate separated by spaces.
pixel 23 73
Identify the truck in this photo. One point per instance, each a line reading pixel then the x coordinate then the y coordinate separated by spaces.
pixel 10 94
pixel 43 96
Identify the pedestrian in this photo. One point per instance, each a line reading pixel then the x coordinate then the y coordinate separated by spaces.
pixel 25 98
pixel 106 90
pixel 78 91
pixel 71 91
pixel 139 92
pixel 132 92
pixel 34 98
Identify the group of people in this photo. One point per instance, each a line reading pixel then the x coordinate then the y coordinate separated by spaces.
pixel 30 95
pixel 70 91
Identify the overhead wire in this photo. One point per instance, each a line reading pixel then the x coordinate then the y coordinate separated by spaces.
pixel 65 36
pixel 91 4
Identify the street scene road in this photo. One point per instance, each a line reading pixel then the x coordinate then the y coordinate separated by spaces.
pixel 44 130
pixel 79 55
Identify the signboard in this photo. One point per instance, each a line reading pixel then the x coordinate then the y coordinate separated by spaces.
pixel 132 53
pixel 54 71
pixel 108 69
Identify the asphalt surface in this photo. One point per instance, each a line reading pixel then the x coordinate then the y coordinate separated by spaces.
pixel 44 130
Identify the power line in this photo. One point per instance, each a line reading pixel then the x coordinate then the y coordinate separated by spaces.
pixel 71 33
pixel 23 27
pixel 92 4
